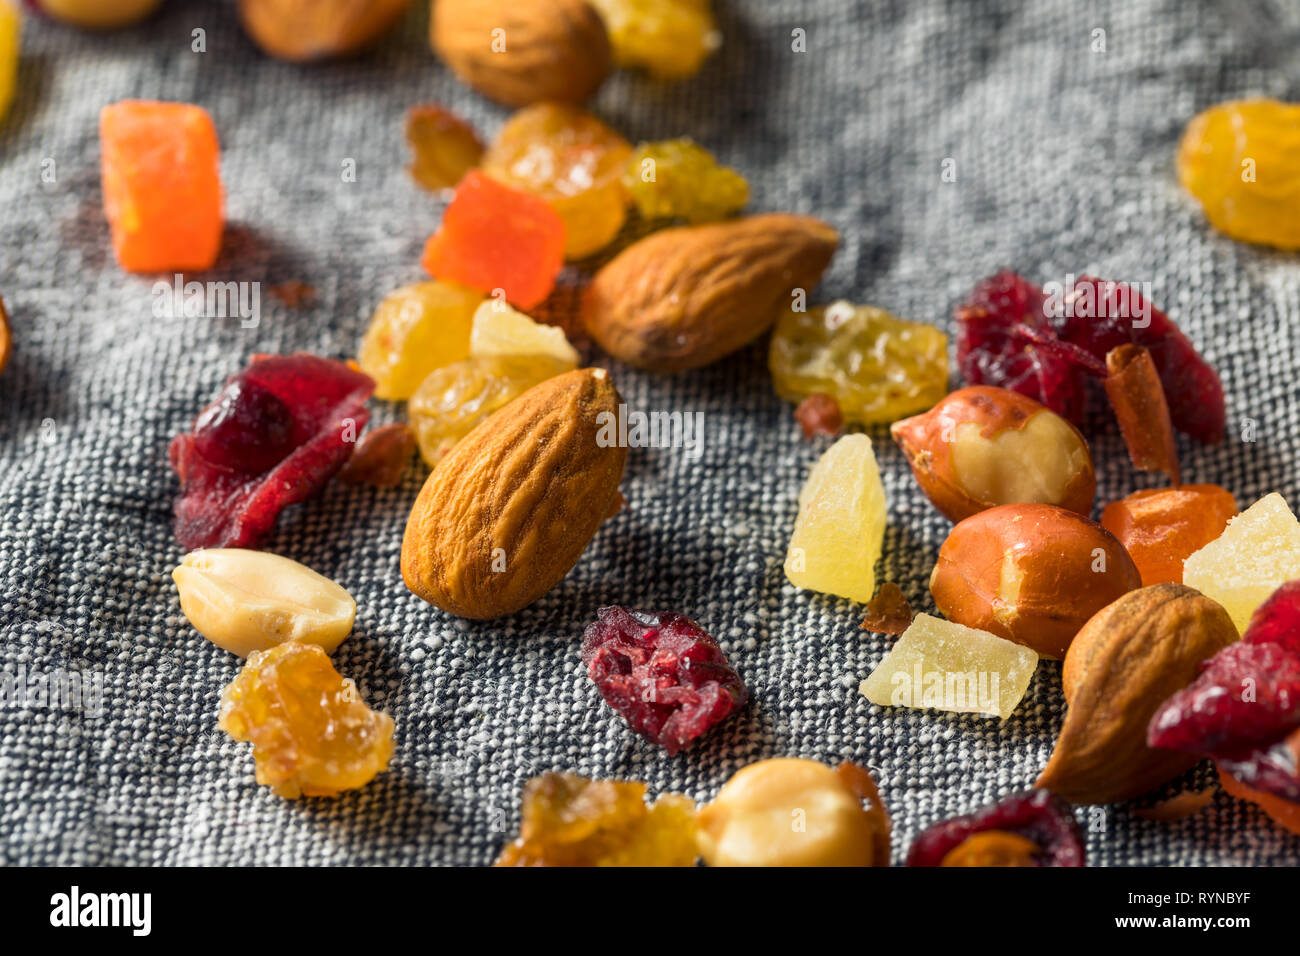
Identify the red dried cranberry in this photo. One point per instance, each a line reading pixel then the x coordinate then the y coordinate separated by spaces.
pixel 246 424
pixel 1104 315
pixel 1248 695
pixel 1277 620
pixel 992 348
pixel 277 433
pixel 1244 708
pixel 1037 815
pixel 1006 338
pixel 659 670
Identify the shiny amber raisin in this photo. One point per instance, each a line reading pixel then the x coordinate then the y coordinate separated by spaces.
pixel 414 330
pixel 678 179
pixel 456 397
pixel 572 821
pixel 877 368
pixel 1241 160
pixel 670 39
pixel 312 735
pixel 574 162
pixel 445 147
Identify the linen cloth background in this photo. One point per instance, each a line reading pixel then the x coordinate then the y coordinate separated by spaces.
pixel 1063 158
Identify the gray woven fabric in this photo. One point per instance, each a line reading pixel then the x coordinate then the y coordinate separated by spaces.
pixel 1063 158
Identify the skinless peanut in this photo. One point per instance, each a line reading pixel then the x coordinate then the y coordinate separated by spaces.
pixel 993 848
pixel 981 447
pixel 789 812
pixel 247 601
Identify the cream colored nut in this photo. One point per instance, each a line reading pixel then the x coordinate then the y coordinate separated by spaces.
pixel 247 601
pixel 786 812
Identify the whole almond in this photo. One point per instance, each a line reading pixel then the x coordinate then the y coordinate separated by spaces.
pixel 298 30
pixel 685 297
pixel 1122 665
pixel 505 516
pixel 519 53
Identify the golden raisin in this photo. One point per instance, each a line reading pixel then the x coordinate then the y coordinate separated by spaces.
pixel 414 330
pixel 444 145
pixel 572 821
pixel 678 179
pixel 670 39
pixel 311 733
pixel 573 161
pixel 1241 160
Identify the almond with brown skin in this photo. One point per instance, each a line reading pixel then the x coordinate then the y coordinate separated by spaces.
pixel 299 30
pixel 508 512
pixel 685 297
pixel 1123 664
pixel 519 53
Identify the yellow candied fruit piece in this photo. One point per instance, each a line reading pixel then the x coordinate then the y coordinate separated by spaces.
pixel 938 665
pixel 670 39
pixel 840 528
pixel 11 25
pixel 573 161
pixel 1241 160
pixel 569 820
pixel 500 329
pixel 878 368
pixel 455 398
pixel 678 179
pixel 1257 553
pixel 415 330
pixel 312 735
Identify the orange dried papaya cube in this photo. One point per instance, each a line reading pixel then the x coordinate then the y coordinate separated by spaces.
pixel 495 237
pixel 1162 527
pixel 160 164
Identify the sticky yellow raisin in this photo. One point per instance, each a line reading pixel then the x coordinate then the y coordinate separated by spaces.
pixel 573 161
pixel 312 735
pixel 670 39
pixel 678 179
pixel 445 147
pixel 572 821
pixel 1241 160
pixel 414 330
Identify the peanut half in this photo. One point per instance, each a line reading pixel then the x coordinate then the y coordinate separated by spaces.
pixel 247 601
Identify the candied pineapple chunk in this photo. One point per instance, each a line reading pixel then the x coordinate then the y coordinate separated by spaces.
pixel 501 330
pixel 944 666
pixel 1259 551
pixel 312 735
pixel 841 524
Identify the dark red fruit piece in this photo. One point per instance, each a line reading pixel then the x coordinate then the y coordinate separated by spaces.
pixel 1037 815
pixel 1274 769
pixel 1248 696
pixel 275 435
pixel 1277 620
pixel 666 677
pixel 819 414
pixel 992 349
pixel 1104 315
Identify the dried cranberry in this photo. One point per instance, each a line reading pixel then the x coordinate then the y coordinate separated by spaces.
pixel 1249 695
pixel 277 433
pixel 1244 708
pixel 993 349
pixel 1277 620
pixel 659 670
pixel 1037 815
pixel 1105 315
pixel 1006 338
pixel 246 424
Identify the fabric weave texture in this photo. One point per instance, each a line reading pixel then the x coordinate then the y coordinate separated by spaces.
pixel 1063 156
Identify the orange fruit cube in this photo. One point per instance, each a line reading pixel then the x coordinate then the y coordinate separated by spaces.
pixel 494 237
pixel 160 164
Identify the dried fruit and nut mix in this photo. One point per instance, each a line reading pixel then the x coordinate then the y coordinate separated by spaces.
pixel 1145 607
